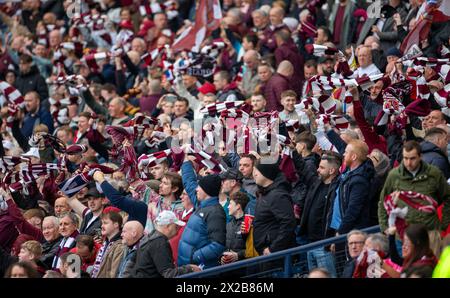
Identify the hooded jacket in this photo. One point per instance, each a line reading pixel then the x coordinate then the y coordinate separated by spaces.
pixel 274 222
pixel 32 81
pixel 433 155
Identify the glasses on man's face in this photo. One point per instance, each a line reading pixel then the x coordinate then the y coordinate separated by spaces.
pixel 356 243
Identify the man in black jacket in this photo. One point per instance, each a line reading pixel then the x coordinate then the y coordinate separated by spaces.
pixel 30 79
pixel 50 230
pixel 434 150
pixel 154 256
pixel 274 222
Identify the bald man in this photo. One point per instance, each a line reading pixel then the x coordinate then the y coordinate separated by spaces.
pixel 132 233
pixel 276 16
pixel 366 66
pixel 250 76
pixel 435 118
pixel 61 207
pixel 278 83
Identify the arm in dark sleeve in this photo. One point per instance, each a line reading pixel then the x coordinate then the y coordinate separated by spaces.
pixel 135 209
pixel 284 213
pixel 121 82
pixel 216 227
pixel 20 138
pixel 336 140
pixel 232 160
pixel 357 197
pixel 42 88
pixel 6 260
pixel 393 254
pixel 22 225
pixel 22 202
pixel 130 65
pixel 93 104
pixel 101 149
pixel 164 262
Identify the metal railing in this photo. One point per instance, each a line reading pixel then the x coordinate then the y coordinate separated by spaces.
pixel 285 267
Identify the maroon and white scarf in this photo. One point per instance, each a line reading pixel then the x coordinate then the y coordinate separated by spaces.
pixel 15 102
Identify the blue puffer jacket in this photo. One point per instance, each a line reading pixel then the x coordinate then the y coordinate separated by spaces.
pixel 203 239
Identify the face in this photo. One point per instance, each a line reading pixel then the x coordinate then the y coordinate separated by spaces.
pixel 165 188
pixel 18 272
pixel 228 185
pixel 208 100
pixel 327 67
pixel 189 81
pixel 201 194
pixel 258 103
pixel 10 78
pixel 275 16
pixel 109 228
pixel 349 156
pixel 83 251
pixel 411 160
pixel 25 255
pixel 127 235
pixel 250 61
pixel 125 15
pixel 54 38
pixel 83 124
pixel 40 50
pixel 31 102
pixel 406 246
pixel 321 36
pixel 264 73
pixel 36 222
pixel 259 178
pixel 435 118
pixel 180 108
pixel 167 108
pixel 95 204
pixel 258 20
pixel 233 208
pixel 364 57
pixel 61 207
pixel 218 82
pixel 115 109
pixel 288 103
pixel 64 136
pixel 172 230
pixel 324 170
pixel 309 72
pixel 187 204
pixel 375 90
pixel 160 21
pixel 246 167
pixel 66 226
pixel 355 245
pixel 50 230
pixel 158 171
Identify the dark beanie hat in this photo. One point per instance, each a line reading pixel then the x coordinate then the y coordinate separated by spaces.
pixel 211 184
pixel 268 170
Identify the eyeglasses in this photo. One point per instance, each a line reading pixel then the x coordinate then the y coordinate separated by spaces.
pixel 356 243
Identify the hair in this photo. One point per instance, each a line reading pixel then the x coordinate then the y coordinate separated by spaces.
pixel 85 114
pixel 310 63
pixel 351 133
pixel 412 145
pixel 40 128
pixel 381 241
pixel 66 128
pixel 307 138
pixel 34 213
pixel 183 100
pixel 114 217
pixel 321 270
pixel 288 93
pixel 251 156
pixel 418 235
pixel 86 240
pixel 110 88
pixel 73 217
pixel 25 58
pixel 260 11
pixel 333 158
pixel 240 198
pixel 360 148
pixel 54 219
pixel 53 274
pixel 326 31
pixel 29 269
pixel 33 247
pixel 283 35
pixel 253 39
pixel 434 133
pixel 224 75
pixel 357 232
pixel 422 271
pixel 65 256
pixel 176 181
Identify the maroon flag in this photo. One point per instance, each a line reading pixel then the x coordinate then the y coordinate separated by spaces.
pixel 208 17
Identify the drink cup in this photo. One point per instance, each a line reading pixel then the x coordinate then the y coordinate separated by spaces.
pixel 248 219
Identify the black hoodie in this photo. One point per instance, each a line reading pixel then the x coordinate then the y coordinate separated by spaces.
pixel 274 223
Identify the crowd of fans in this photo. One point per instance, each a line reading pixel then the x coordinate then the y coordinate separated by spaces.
pixel 293 122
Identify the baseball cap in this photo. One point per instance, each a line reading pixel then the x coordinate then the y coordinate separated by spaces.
pixel 93 192
pixel 324 59
pixel 232 174
pixel 167 217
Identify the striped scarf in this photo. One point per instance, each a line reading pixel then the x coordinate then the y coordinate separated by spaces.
pixel 66 245
pixel 413 199
pixel 15 102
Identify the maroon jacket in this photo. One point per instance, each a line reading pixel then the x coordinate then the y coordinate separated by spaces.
pixel 288 51
pixel 373 140
pixel 148 103
pixel 269 36
pixel 272 91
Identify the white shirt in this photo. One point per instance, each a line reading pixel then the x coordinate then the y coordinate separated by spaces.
pixel 369 71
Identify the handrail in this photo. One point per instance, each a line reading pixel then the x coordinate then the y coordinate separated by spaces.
pixel 273 256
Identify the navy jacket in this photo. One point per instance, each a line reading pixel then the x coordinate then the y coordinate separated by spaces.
pixel 354 198
pixel 433 155
pixel 137 210
pixel 203 239
pixel 41 117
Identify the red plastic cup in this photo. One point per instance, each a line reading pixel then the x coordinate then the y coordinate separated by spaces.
pixel 248 219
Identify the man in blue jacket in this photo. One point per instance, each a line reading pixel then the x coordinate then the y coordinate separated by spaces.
pixel 203 239
pixel 36 114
